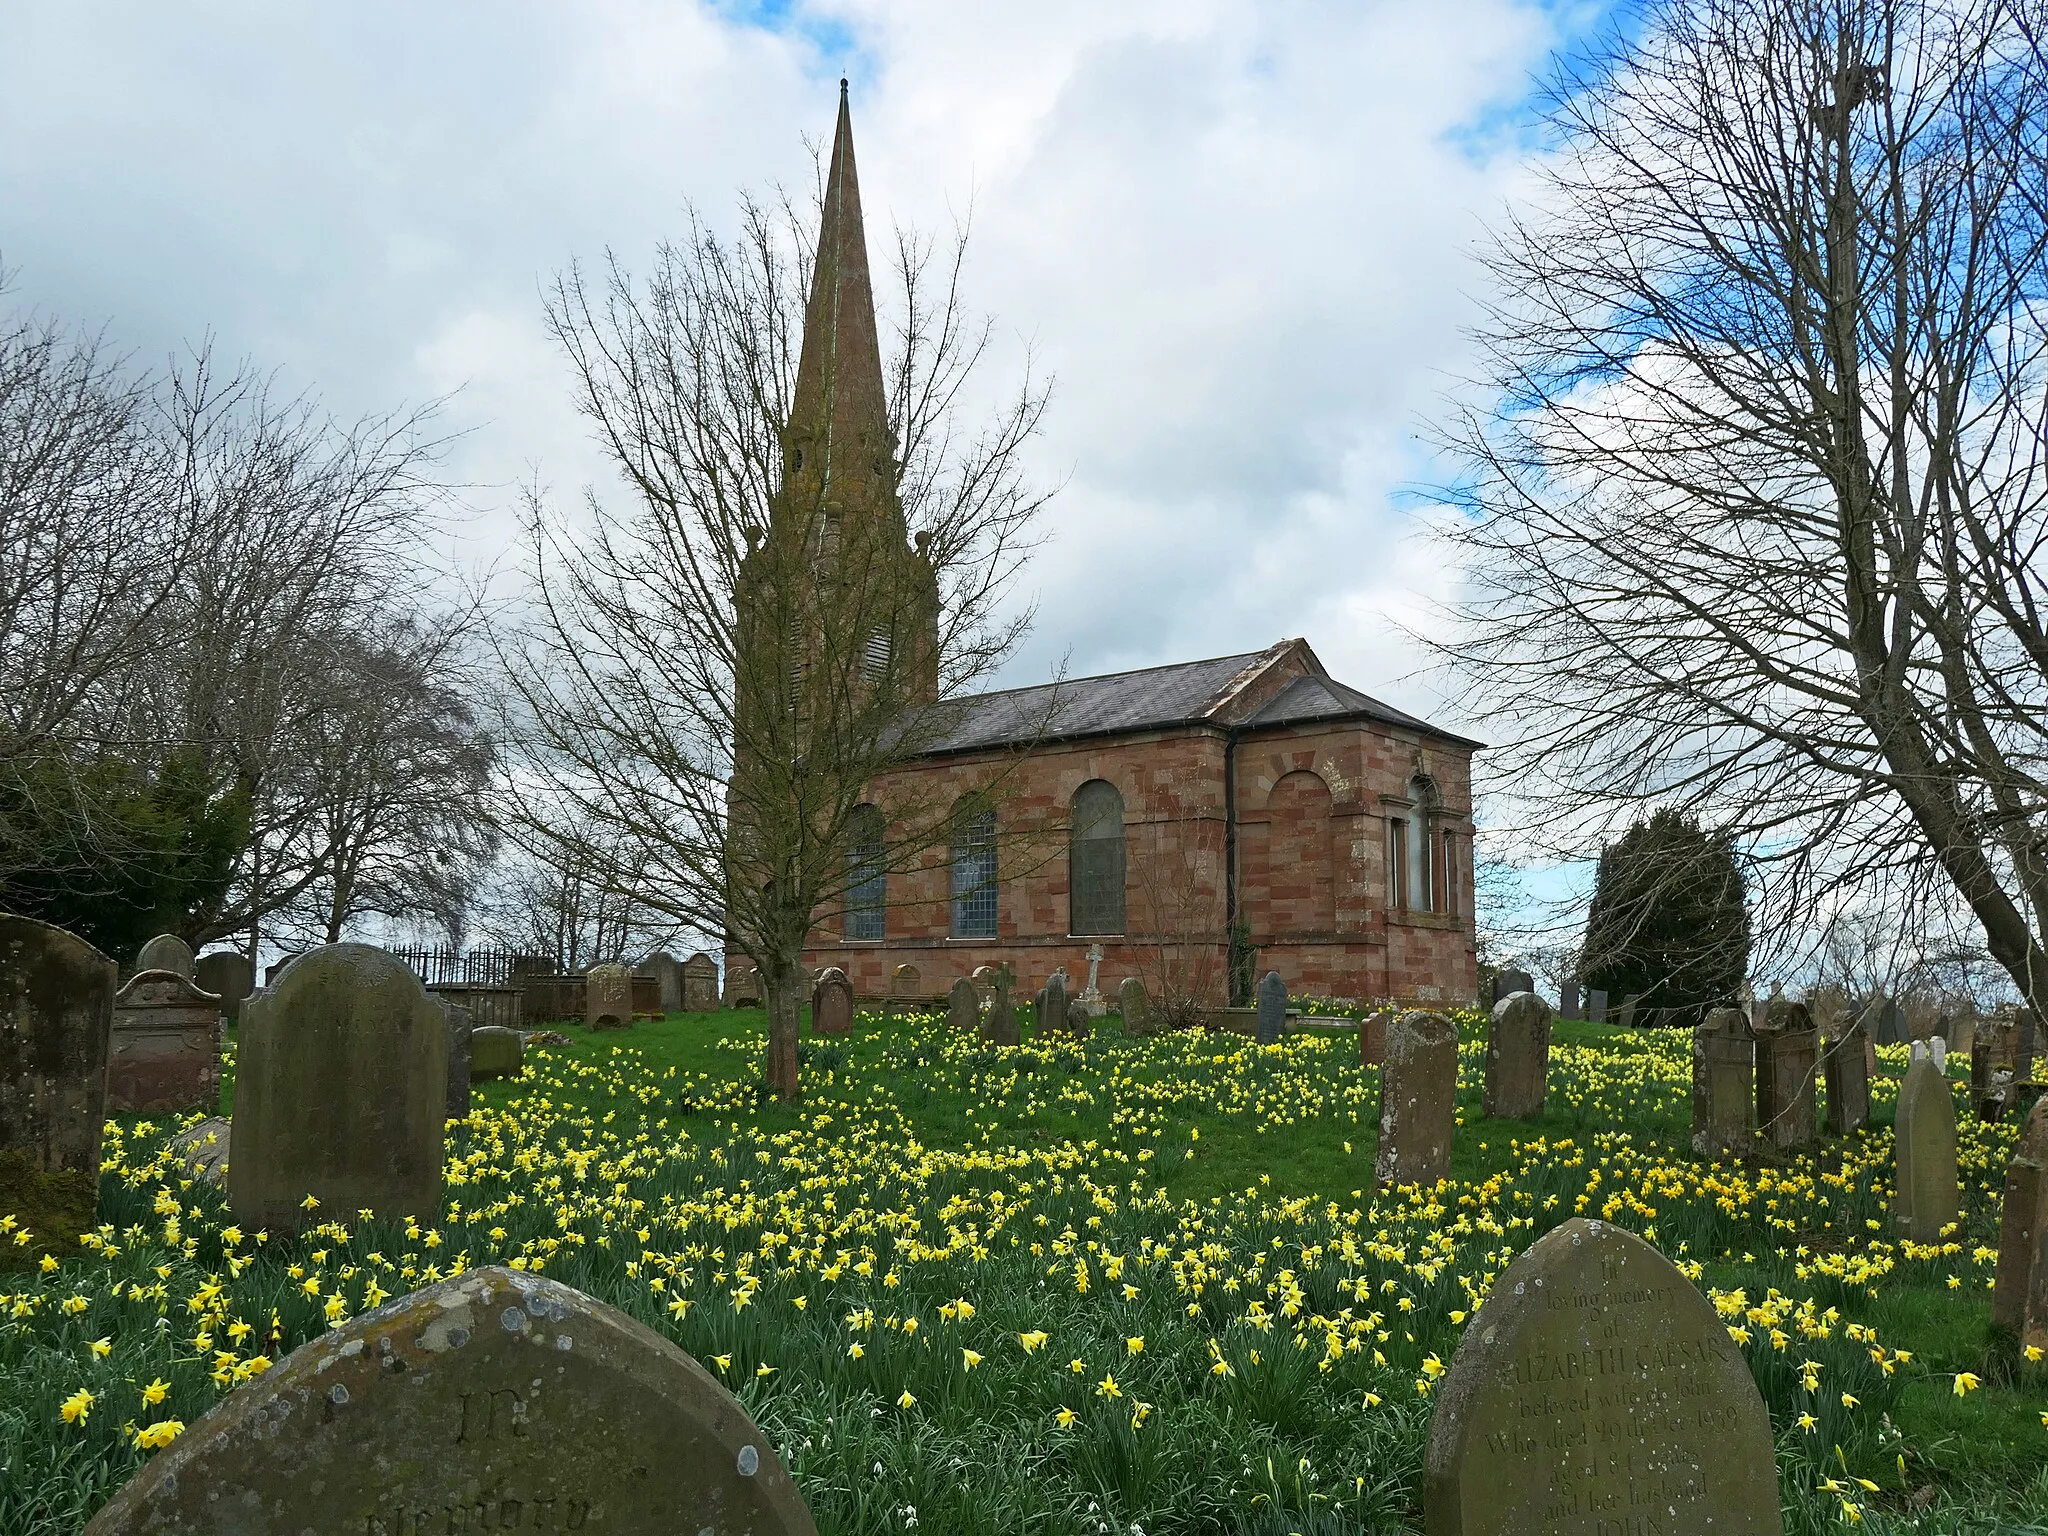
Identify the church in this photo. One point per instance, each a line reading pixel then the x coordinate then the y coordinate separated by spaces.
pixel 1186 824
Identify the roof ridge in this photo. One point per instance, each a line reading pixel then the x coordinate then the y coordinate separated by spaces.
pixel 1098 677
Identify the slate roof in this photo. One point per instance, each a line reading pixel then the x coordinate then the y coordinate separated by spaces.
pixel 1152 698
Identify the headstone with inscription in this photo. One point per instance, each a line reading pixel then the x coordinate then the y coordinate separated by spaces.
pixel 1723 1067
pixel 1926 1196
pixel 608 997
pixel 56 1013
pixel 1135 1006
pixel 166 952
pixel 1049 1014
pixel 1597 1393
pixel 341 1093
pixel 492 1401
pixel 1372 1037
pixel 906 985
pixel 2019 1294
pixel 229 976
pixel 999 1024
pixel 1272 1008
pixel 1845 1071
pixel 1517 1057
pixel 1080 1018
pixel 1787 1061
pixel 832 1003
pixel 164 1055
pixel 1418 1100
pixel 495 1051
pixel 700 984
pixel 963 1007
pixel 742 982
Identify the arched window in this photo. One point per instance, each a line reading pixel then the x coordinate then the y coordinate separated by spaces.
pixel 867 874
pixel 1095 860
pixel 974 870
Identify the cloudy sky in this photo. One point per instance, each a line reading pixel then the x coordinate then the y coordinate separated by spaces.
pixel 1236 231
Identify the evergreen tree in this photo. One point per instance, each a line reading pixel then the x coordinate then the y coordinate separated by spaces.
pixel 1669 924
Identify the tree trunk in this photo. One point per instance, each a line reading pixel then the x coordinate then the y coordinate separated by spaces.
pixel 779 983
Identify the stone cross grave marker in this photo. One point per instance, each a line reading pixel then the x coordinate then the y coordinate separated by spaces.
pixel 999 1024
pixel 1272 1015
pixel 832 1003
pixel 1723 1066
pixel 2019 1294
pixel 1787 1055
pixel 166 952
pixel 493 1401
pixel 700 984
pixel 1596 1391
pixel 1135 1006
pixel 1049 1015
pixel 229 976
pixel 164 1055
pixel 963 1007
pixel 1925 1196
pixel 56 1015
pixel 461 1025
pixel 495 1051
pixel 608 997
pixel 341 1092
pixel 1092 993
pixel 1568 998
pixel 1518 1057
pixel 1418 1100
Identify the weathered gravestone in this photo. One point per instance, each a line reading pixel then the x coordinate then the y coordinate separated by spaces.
pixel 963 1007
pixel 1626 1018
pixel 1568 998
pixel 1372 1037
pixel 1418 1100
pixel 1845 1060
pixel 906 985
pixel 1135 1006
pixel 202 1148
pixel 1080 1018
pixel 56 1013
pixel 1596 1006
pixel 667 972
pixel 493 1401
pixel 1723 1066
pixel 229 976
pixel 999 1025
pixel 1597 1393
pixel 742 983
pixel 1888 1021
pixel 495 1051
pixel 2019 1295
pixel 1510 981
pixel 1049 1012
pixel 1272 1008
pixel 1919 1015
pixel 1995 1064
pixel 164 1054
pixel 166 952
pixel 1787 1059
pixel 461 1025
pixel 1517 1057
pixel 341 1093
pixel 1925 1196
pixel 700 984
pixel 832 1003
pixel 608 997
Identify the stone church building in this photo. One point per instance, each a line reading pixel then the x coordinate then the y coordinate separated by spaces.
pixel 1144 817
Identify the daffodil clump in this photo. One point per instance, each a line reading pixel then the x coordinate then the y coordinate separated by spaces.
pixel 1007 1289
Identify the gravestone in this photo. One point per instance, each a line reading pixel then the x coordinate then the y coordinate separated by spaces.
pixel 1510 981
pixel 1418 1100
pixel 1135 1006
pixel 1888 1022
pixel 999 1024
pixel 2019 1294
pixel 1517 1057
pixel 492 1401
pixel 1627 1016
pixel 700 984
pixel 341 1092
pixel 164 1054
pixel 742 982
pixel 1597 1393
pixel 1596 1006
pixel 1080 1018
pixel 56 1014
pixel 1568 998
pixel 1919 1015
pixel 201 1149
pixel 667 972
pixel 229 976
pixel 906 985
pixel 1925 1195
pixel 1372 1037
pixel 1049 1014
pixel 1787 1061
pixel 1723 1070
pixel 461 1025
pixel 832 1003
pixel 1846 1070
pixel 1995 1064
pixel 495 1051
pixel 963 1007
pixel 608 997
pixel 166 952
pixel 1272 1008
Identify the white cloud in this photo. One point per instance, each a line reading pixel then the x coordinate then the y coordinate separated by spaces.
pixel 1235 230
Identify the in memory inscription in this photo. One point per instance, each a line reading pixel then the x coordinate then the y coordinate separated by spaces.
pixel 1597 1393
pixel 495 1401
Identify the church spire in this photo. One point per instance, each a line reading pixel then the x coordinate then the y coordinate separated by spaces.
pixel 838 452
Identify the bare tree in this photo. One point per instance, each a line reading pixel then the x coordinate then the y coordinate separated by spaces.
pixel 1176 872
pixel 1755 497
pixel 808 568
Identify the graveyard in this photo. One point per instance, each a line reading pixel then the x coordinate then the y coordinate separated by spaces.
pixel 1093 1281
